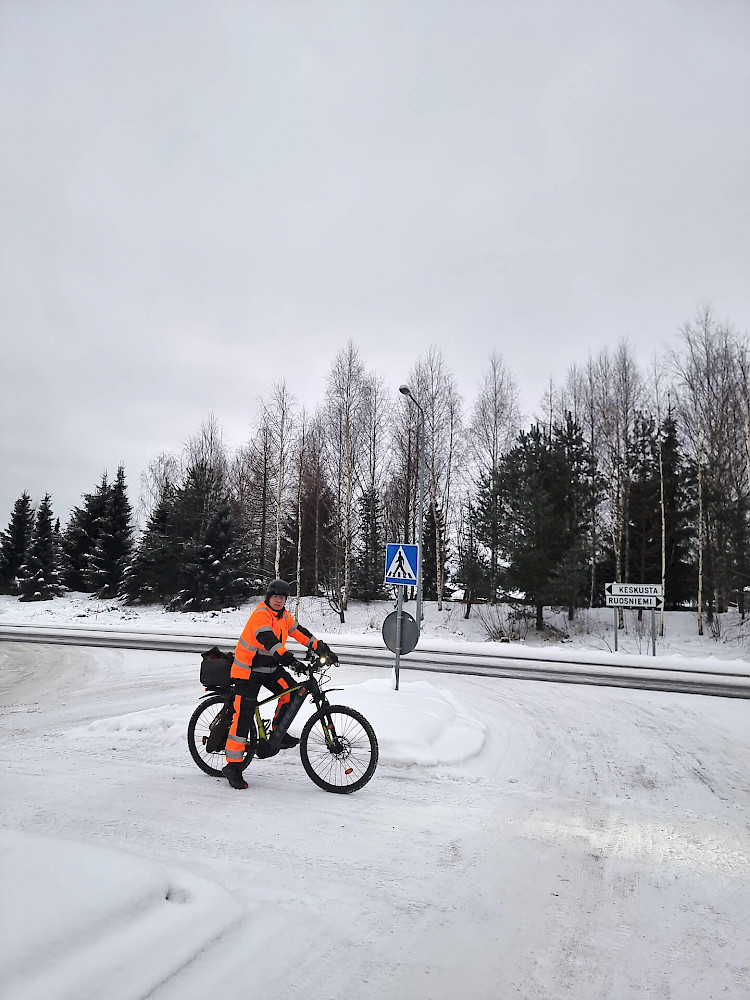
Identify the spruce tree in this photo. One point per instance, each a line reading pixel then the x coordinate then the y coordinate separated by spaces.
pixel 81 536
pixel 473 572
pixel 215 577
pixel 367 575
pixel 114 542
pixel 14 543
pixel 40 578
pixel 679 516
pixel 528 518
pixel 486 517
pixel 194 504
pixel 429 557
pixel 545 495
pixel 576 487
pixel 152 575
pixel 318 554
pixel 644 505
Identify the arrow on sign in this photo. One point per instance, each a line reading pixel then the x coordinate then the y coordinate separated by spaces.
pixel 634 589
pixel 634 601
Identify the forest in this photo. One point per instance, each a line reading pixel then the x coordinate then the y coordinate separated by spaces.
pixel 630 472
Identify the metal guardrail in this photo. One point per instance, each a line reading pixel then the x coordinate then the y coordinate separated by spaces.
pixel 541 665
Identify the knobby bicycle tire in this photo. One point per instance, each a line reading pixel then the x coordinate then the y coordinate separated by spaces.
pixel 197 734
pixel 349 770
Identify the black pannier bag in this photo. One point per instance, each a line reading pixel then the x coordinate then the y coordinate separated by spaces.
pixel 219 730
pixel 215 667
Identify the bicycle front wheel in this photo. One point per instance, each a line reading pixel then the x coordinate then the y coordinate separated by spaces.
pixel 339 749
pixel 199 729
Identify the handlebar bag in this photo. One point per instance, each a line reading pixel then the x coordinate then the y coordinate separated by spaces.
pixel 215 668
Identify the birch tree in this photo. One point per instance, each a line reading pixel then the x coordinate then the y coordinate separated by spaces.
pixel 583 397
pixel 300 467
pixel 709 380
pixel 280 419
pixel 439 398
pixel 657 382
pixel 492 431
pixel 618 388
pixel 345 385
pixel 743 379
pixel 371 476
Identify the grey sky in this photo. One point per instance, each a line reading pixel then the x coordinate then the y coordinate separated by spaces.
pixel 198 198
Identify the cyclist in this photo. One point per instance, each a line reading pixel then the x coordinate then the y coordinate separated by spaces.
pixel 259 661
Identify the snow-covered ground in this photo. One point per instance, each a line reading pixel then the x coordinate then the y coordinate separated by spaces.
pixel 591 630
pixel 517 840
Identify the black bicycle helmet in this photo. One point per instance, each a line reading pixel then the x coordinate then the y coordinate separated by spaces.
pixel 280 587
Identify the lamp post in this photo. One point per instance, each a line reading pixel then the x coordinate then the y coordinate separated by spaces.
pixel 407 392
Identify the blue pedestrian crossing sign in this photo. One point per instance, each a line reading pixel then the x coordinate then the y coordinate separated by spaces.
pixel 401 564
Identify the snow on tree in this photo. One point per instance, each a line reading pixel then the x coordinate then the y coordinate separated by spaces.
pixel 80 538
pixel 153 571
pixel 39 577
pixel 14 542
pixel 104 574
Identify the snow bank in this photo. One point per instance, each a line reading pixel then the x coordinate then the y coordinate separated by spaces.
pixel 418 724
pixel 442 630
pixel 80 921
pixel 165 726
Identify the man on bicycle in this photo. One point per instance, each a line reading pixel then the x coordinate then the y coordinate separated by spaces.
pixel 259 661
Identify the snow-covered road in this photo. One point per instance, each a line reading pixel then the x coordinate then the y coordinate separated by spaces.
pixel 517 840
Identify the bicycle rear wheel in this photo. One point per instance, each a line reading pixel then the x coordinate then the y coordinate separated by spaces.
pixel 342 758
pixel 197 735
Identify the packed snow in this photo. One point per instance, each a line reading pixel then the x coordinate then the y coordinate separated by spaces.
pixel 446 629
pixel 517 839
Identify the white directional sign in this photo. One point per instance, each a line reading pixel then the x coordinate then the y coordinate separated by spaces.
pixel 634 595
pixel 401 564
pixel 637 589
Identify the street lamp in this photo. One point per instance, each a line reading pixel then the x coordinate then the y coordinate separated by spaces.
pixel 407 392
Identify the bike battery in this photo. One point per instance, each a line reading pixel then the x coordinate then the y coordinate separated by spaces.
pixel 285 721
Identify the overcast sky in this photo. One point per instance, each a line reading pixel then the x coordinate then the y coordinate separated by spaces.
pixel 200 197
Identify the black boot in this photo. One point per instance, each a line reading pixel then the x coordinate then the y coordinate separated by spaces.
pixel 287 742
pixel 233 774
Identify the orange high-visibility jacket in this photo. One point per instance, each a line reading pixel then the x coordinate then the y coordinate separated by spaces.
pixel 264 639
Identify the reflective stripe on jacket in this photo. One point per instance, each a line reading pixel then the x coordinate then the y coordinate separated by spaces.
pixel 264 639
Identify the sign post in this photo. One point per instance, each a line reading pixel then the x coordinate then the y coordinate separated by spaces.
pixel 616 623
pixel 399 622
pixel 401 570
pixel 635 595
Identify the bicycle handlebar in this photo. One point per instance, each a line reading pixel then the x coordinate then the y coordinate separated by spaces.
pixel 314 660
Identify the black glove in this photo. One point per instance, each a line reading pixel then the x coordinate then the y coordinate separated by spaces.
pixel 324 650
pixel 288 659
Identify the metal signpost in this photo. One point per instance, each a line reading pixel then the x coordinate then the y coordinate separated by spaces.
pixel 401 562
pixel 420 517
pixel 635 595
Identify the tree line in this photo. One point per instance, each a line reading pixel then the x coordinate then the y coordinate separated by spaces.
pixel 627 473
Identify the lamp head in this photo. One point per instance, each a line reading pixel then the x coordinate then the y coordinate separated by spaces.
pixel 405 389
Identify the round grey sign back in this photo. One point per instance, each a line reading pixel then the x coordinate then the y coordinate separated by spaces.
pixel 409 632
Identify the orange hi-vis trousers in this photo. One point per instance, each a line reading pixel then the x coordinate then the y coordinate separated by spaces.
pixel 245 700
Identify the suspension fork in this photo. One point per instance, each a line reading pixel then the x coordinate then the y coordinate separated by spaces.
pixel 329 731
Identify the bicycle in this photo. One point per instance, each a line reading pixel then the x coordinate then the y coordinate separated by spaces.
pixel 338 746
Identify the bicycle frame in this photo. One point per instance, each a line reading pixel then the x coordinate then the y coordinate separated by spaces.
pixel 313 688
pixel 317 694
